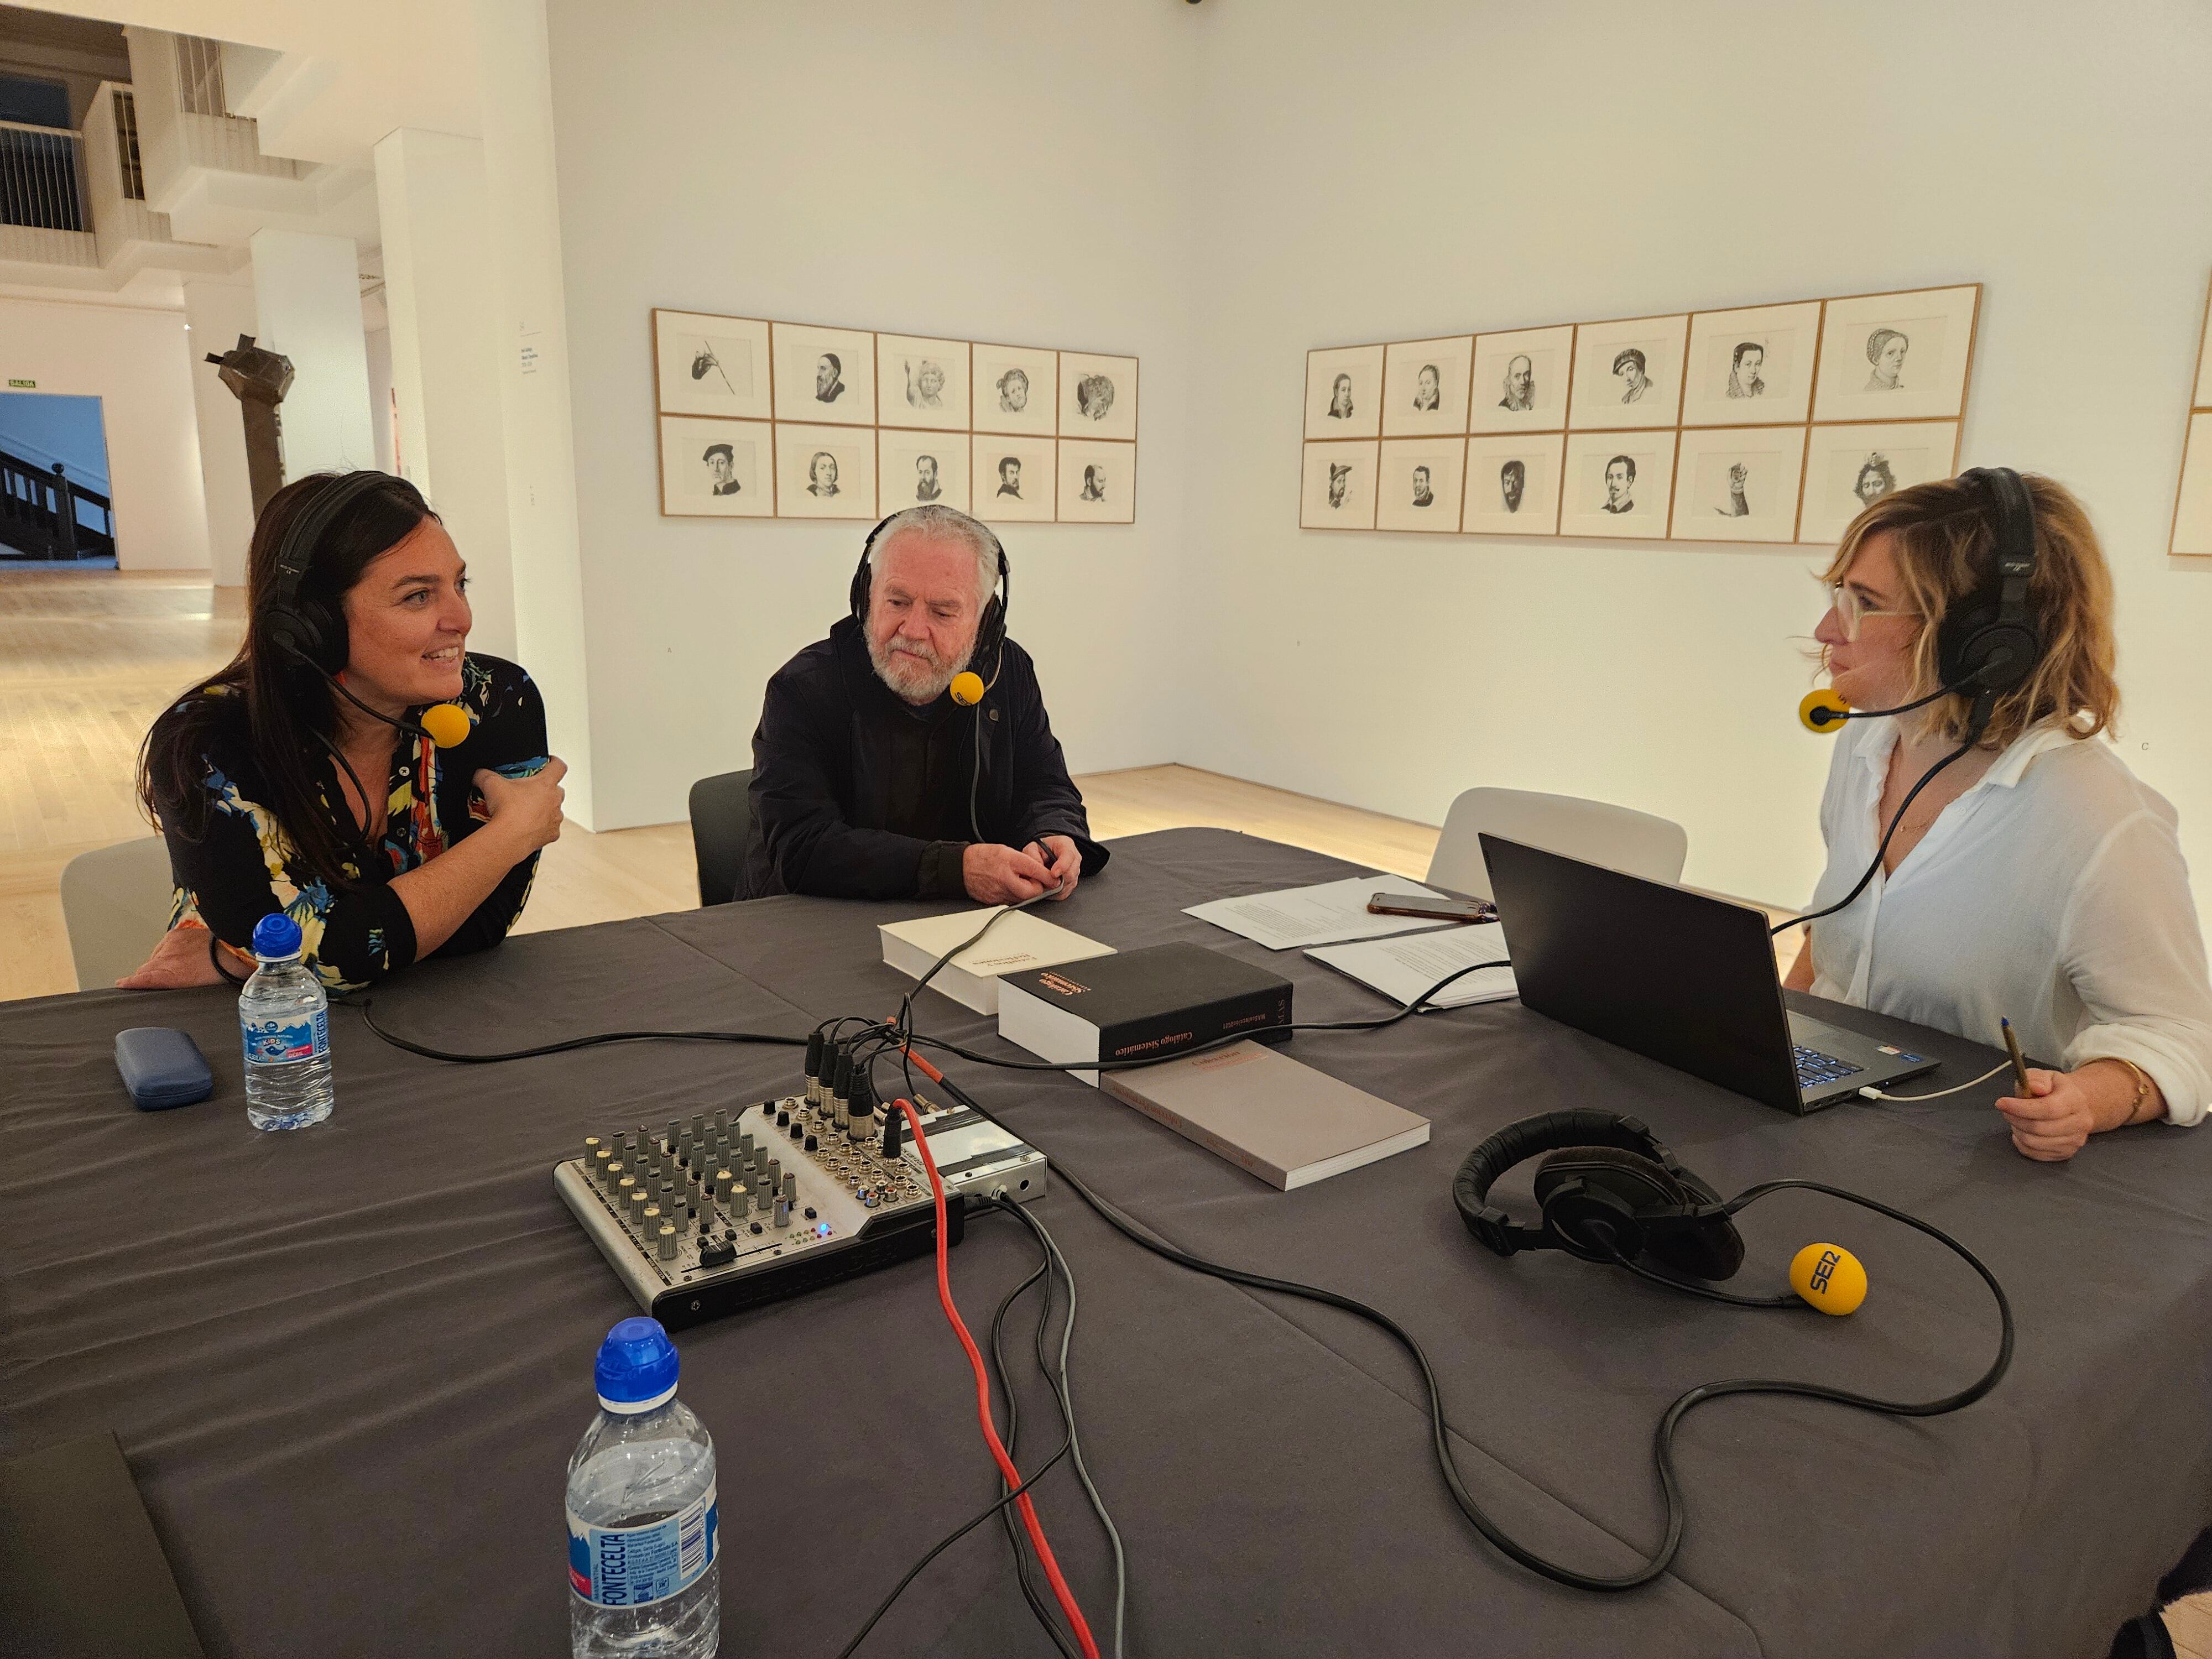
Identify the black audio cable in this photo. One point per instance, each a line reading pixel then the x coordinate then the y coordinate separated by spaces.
pixel 1897 818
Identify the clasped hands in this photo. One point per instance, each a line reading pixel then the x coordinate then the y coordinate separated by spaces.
pixel 1004 875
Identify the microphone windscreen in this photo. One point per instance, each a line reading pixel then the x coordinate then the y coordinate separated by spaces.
pixel 1829 1277
pixel 968 689
pixel 447 723
pixel 1823 711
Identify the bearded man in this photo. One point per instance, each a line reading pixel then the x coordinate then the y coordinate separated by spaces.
pixel 866 781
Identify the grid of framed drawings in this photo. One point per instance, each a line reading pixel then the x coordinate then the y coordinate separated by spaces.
pixel 2193 505
pixel 1773 423
pixel 761 419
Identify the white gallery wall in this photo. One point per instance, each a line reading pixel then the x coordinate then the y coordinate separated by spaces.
pixel 134 362
pixel 1431 167
pixel 993 171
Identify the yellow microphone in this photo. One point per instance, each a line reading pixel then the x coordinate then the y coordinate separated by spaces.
pixel 447 723
pixel 967 688
pixel 1830 1278
pixel 1823 711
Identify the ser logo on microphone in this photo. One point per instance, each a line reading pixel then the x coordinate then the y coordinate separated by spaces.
pixel 1821 1269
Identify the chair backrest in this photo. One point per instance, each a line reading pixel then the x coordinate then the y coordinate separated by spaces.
pixel 721 821
pixel 115 904
pixel 1595 831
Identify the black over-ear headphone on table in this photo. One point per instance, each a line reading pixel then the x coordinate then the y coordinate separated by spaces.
pixel 1610 1192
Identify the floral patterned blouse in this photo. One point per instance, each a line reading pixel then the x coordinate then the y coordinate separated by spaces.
pixel 242 867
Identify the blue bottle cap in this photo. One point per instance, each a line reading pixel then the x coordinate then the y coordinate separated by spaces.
pixel 636 1367
pixel 276 936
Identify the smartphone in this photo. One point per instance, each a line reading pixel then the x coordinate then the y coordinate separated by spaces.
pixel 1438 909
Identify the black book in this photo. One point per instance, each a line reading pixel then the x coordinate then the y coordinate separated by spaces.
pixel 1149 1002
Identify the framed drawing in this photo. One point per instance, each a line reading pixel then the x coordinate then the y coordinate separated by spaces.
pixel 712 469
pixel 1425 386
pixel 921 383
pixel 824 472
pixel 1627 374
pixel 1418 485
pixel 1738 483
pixel 1521 379
pixel 1097 395
pixel 2192 510
pixel 1344 392
pixel 2201 397
pixel 825 374
pixel 1337 486
pixel 705 365
pixel 1896 356
pixel 1013 479
pixel 1513 485
pixel 1849 468
pixel 1016 390
pixel 1751 367
pixel 915 468
pixel 1098 482
pixel 1617 484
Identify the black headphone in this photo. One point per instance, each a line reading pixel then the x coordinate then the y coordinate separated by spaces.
pixel 990 630
pixel 1610 1193
pixel 1988 642
pixel 306 628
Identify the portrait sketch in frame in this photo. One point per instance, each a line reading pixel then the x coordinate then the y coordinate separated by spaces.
pixel 2192 507
pixel 1513 484
pixel 2201 397
pixel 921 383
pixel 1416 485
pixel 1627 374
pixel 1097 395
pixel 1098 481
pixel 1738 483
pixel 1337 486
pixel 1016 390
pixel 1617 484
pixel 825 471
pixel 1751 367
pixel 714 469
pixel 825 374
pixel 1344 392
pixel 1896 356
pixel 1425 386
pixel 1012 479
pixel 708 365
pixel 1521 379
pixel 1849 468
pixel 916 469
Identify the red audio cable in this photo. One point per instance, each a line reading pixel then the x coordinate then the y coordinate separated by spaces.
pixel 1013 1476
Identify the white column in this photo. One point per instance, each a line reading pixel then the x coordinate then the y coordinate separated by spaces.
pixel 307 290
pixel 439 286
pixel 219 311
pixel 530 340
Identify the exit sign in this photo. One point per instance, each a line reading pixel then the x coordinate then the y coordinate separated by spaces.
pixel 26 386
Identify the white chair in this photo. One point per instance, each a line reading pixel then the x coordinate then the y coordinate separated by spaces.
pixel 1595 831
pixel 115 902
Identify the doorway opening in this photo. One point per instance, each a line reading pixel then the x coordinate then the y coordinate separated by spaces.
pixel 55 500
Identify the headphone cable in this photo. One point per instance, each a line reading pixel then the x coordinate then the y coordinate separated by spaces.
pixel 1910 794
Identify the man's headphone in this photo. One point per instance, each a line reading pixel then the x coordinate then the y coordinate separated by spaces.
pixel 990 630
pixel 302 626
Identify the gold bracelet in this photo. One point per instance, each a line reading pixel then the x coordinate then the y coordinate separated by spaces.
pixel 2143 1089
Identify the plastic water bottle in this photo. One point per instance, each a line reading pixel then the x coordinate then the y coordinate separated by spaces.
pixel 286 1021
pixel 645 1574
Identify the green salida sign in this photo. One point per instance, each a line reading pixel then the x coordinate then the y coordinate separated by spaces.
pixel 22 386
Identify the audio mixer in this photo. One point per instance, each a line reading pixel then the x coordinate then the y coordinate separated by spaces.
pixel 726 1210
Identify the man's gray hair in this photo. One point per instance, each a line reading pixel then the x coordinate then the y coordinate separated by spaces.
pixel 938 523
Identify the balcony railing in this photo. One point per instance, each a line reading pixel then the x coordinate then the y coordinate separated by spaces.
pixel 45 515
pixel 41 177
pixel 133 171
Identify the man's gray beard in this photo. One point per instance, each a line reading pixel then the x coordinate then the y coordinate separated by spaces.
pixel 922 692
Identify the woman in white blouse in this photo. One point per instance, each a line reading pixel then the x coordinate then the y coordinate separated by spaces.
pixel 2033 878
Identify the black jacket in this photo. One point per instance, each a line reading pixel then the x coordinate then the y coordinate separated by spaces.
pixel 828 742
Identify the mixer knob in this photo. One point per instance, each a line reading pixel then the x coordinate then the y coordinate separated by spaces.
pixel 798 1132
pixel 811 1145
pixel 667 1237
pixel 760 1197
pixel 746 1148
pixel 790 1189
pixel 698 1125
pixel 783 1212
pixel 622 1187
pixel 675 1130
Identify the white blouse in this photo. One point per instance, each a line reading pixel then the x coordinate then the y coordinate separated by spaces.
pixel 2052 893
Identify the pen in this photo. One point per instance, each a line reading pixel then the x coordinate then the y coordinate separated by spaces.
pixel 2018 1065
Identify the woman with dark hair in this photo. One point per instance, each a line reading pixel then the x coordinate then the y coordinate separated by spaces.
pixel 299 778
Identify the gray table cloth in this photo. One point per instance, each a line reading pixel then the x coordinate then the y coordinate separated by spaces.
pixel 348 1366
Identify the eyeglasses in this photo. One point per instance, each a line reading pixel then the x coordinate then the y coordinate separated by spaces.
pixel 1851 608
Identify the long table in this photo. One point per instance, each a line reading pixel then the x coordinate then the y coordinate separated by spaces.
pixel 348 1366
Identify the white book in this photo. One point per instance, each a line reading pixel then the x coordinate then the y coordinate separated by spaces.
pixel 1017 940
pixel 1402 968
pixel 1294 916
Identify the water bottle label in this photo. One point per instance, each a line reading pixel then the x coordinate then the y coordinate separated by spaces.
pixel 629 1566
pixel 276 1040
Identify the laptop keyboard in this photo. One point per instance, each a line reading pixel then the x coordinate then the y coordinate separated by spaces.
pixel 1814 1068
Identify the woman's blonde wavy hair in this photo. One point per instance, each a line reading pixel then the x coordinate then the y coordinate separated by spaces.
pixel 1942 541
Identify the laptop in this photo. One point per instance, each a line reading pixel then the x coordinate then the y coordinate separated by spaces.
pixel 1682 977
